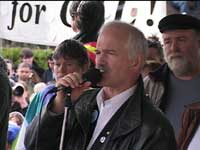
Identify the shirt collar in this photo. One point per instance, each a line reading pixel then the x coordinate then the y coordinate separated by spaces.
pixel 115 101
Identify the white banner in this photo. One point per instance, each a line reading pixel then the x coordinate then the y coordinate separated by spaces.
pixel 40 22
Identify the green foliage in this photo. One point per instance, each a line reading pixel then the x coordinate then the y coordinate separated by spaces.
pixel 40 55
pixel 12 54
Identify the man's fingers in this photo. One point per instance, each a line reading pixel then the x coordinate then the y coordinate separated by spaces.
pixel 73 80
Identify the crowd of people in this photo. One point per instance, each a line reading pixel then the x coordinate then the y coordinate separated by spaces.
pixel 146 99
pixel 187 7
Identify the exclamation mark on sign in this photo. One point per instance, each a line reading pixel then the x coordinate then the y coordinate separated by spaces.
pixel 150 21
pixel 119 10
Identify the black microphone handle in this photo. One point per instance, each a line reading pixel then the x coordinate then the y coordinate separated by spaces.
pixel 59 88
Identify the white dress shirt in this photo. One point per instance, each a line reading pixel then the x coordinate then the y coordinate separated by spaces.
pixel 195 142
pixel 107 108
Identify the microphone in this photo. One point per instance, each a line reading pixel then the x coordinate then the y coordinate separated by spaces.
pixel 93 75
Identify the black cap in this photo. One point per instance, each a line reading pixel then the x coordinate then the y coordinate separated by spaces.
pixel 178 21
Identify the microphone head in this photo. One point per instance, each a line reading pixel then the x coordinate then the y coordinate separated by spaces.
pixel 93 75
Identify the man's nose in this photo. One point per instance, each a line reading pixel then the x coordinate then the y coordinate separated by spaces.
pixel 174 46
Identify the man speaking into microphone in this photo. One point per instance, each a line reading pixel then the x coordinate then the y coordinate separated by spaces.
pixel 117 116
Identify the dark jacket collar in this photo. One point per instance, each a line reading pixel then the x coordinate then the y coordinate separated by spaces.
pixel 131 117
pixel 129 120
pixel 84 108
pixel 85 37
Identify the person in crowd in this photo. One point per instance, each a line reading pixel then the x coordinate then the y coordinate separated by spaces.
pixel 26 74
pixel 116 116
pixel 73 14
pixel 187 7
pixel 28 57
pixel 155 50
pixel 11 70
pixel 6 66
pixel 5 94
pixel 69 56
pixel 48 76
pixel 20 98
pixel 14 125
pixel 87 23
pixel 37 88
pixel 154 56
pixel 176 83
pixel 150 66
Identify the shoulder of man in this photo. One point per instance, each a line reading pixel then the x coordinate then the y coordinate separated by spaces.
pixel 88 96
pixel 156 127
pixel 91 92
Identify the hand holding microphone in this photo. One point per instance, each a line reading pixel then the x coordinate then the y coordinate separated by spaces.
pixel 75 83
pixel 72 83
pixel 93 75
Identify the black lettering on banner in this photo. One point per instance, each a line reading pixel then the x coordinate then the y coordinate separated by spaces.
pixel 29 13
pixel 150 21
pixel 21 13
pixel 134 14
pixel 132 22
pixel 38 12
pixel 120 8
pixel 63 13
pixel 13 15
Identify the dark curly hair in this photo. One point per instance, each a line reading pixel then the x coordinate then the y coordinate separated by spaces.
pixel 90 15
pixel 72 49
pixel 153 42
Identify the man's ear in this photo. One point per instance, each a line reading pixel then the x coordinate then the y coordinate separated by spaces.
pixel 137 62
pixel 133 63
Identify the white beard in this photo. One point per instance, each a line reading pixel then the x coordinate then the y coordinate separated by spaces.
pixel 180 66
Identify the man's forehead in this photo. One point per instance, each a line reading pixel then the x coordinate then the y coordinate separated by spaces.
pixel 178 32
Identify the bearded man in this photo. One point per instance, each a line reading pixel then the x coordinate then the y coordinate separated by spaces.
pixel 177 83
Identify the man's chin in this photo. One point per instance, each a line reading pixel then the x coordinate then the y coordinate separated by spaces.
pixel 179 68
pixel 175 61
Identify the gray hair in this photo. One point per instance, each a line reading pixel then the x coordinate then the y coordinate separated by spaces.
pixel 137 42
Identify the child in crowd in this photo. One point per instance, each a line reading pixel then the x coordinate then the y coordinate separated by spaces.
pixel 14 126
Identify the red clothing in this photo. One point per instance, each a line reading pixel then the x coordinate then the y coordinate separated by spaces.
pixel 91 50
